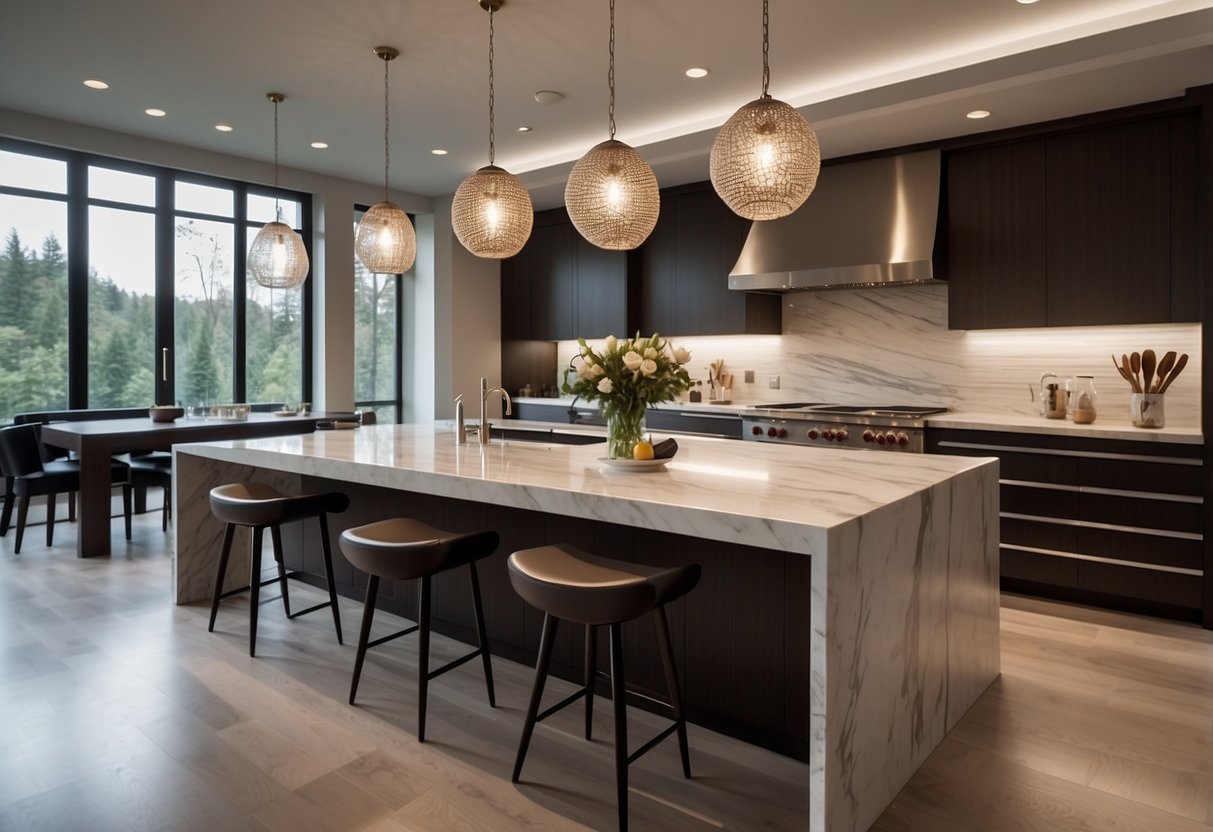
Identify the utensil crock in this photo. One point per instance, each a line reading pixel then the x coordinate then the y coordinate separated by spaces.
pixel 1146 410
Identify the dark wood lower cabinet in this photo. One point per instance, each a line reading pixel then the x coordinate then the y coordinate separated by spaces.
pixel 1106 522
pixel 741 638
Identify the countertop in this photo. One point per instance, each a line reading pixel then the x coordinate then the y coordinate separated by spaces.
pixel 768 495
pixel 1104 427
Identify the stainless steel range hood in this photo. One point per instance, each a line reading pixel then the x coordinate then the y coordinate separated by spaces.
pixel 867 223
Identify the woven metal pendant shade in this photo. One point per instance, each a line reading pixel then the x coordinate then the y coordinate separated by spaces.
pixel 492 214
pixel 765 160
pixel 612 196
pixel 386 242
pixel 278 258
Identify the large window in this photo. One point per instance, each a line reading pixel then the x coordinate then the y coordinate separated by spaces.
pixel 123 285
pixel 33 284
pixel 376 341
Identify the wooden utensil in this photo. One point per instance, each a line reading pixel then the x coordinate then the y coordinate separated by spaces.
pixel 1179 366
pixel 1148 363
pixel 1124 369
pixel 1164 367
pixel 1135 366
pixel 1124 374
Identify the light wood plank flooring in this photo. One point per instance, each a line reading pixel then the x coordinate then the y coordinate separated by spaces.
pixel 120 712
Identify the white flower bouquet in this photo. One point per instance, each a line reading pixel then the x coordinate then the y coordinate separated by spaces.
pixel 625 377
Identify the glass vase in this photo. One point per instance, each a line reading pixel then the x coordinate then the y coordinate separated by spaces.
pixel 624 429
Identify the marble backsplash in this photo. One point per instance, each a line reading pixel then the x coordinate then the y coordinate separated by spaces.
pixel 892 345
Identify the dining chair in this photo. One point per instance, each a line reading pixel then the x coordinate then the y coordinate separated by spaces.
pixel 21 459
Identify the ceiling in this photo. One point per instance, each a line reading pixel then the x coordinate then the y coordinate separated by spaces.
pixel 868 75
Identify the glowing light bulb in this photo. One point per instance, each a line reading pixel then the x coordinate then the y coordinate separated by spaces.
pixel 766 155
pixel 614 194
pixel 385 237
pixel 492 213
pixel 278 256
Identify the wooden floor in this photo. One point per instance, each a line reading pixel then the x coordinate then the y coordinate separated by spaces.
pixel 118 711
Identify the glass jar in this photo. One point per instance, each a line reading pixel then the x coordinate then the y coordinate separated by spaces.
pixel 625 427
pixel 1084 400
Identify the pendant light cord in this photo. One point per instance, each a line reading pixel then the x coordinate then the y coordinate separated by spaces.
pixel 276 98
pixel 766 38
pixel 611 74
pixel 387 147
pixel 492 125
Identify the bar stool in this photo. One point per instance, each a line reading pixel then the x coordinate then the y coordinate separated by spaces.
pixel 571 585
pixel 258 507
pixel 401 549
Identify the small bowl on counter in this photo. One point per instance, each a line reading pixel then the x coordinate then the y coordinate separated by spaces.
pixel 165 413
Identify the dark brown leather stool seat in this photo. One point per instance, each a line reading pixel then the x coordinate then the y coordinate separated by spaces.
pixel 569 584
pixel 402 549
pixel 259 506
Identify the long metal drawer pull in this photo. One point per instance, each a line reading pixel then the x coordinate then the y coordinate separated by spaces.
pixel 1021 449
pixel 1111 527
pixel 1153 567
pixel 1109 492
pixel 731 416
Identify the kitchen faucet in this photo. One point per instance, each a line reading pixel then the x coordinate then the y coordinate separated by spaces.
pixel 485 392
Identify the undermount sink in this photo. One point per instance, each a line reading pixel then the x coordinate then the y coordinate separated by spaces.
pixel 548 437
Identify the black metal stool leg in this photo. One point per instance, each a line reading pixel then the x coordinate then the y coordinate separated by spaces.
pixel 671 680
pixel 22 512
pixel 224 554
pixel 254 589
pixel 168 505
pixel 546 642
pixel 619 700
pixel 364 635
pixel 276 537
pixel 328 573
pixel 482 634
pixel 6 514
pixel 50 519
pixel 591 672
pixel 423 656
pixel 126 509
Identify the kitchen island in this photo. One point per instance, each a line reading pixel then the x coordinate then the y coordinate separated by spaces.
pixel 902 555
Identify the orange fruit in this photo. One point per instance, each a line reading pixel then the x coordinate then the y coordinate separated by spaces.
pixel 642 450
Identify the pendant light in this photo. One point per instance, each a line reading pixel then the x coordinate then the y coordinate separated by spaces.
pixel 612 195
pixel 765 160
pixel 491 213
pixel 385 242
pixel 278 258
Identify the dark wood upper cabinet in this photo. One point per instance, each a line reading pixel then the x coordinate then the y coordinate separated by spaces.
pixel 996 236
pixel 602 291
pixel 552 267
pixel 1098 226
pixel 516 297
pixel 684 270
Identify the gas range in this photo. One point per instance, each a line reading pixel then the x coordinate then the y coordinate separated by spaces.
pixel 873 427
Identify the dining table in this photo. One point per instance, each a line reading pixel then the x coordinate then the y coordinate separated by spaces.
pixel 96 441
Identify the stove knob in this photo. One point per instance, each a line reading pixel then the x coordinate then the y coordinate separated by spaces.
pixel 756 430
pixel 812 434
pixel 868 436
pixel 880 439
pixel 903 439
pixel 783 433
pixel 772 432
pixel 842 435
pixel 828 433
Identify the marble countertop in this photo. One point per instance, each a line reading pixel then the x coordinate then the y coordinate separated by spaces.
pixel 1103 427
pixel 772 496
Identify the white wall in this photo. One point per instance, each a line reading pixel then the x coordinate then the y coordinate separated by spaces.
pixel 892 345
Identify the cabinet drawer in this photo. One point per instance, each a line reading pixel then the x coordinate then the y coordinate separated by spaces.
pixel 1148 585
pixel 708 424
pixel 1177 477
pixel 1039 568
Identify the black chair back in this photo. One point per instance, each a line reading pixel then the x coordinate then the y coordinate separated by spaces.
pixel 19 454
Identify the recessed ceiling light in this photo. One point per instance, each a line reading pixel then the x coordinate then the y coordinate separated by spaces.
pixel 696 72
pixel 223 128
pixel 1026 2
pixel 438 151
pixel 524 129
pixel 549 97
pixel 93 83
pixel 156 112
pixel 977 114
pixel 320 145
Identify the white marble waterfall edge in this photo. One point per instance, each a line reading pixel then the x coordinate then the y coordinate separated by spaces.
pixel 904 561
